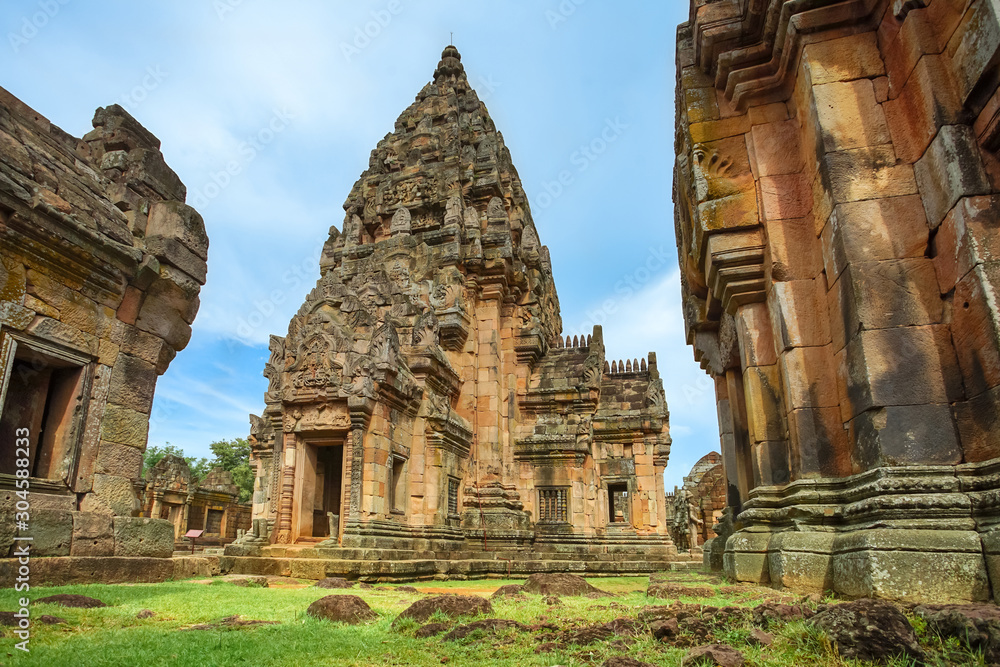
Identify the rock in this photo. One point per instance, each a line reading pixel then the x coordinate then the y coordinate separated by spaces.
pixel 490 625
pixel 430 630
pixel 65 600
pixel 774 612
pixel 139 536
pixel 407 589
pixel 975 625
pixel 334 582
pixel 869 630
pixel 342 609
pixel 551 600
pixel 509 590
pixel 674 591
pixel 452 606
pixel 145 613
pixel 235 621
pixel 625 661
pixel 559 583
pixel 666 630
pixel 250 582
pixel 590 634
pixel 365 586
pixel 51 620
pixel 760 638
pixel 721 655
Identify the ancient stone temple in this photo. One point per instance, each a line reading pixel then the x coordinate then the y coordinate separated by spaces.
pixel 424 399
pixel 693 509
pixel 102 263
pixel 210 505
pixel 838 227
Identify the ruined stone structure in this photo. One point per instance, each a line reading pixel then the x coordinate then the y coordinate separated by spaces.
pixel 210 505
pixel 102 263
pixel 836 192
pixel 693 509
pixel 424 401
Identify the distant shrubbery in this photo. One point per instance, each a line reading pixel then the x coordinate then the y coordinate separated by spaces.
pixel 232 455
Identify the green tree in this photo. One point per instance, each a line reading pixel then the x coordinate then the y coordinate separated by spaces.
pixel 234 456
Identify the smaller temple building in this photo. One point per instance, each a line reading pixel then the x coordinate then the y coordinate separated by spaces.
pixel 697 505
pixel 210 505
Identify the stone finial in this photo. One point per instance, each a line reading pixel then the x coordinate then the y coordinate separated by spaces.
pixel 576 341
pixel 400 221
pixel 450 67
pixel 607 367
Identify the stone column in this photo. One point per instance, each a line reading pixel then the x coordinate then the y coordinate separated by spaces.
pixel 284 532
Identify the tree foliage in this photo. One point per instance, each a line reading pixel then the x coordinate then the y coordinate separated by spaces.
pixel 232 455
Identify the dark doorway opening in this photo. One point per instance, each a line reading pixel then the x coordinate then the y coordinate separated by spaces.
pixel 329 484
pixel 618 503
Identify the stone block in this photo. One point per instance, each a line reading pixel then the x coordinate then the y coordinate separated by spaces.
pixel 701 104
pixel 92 534
pixel 776 149
pixel 889 293
pixel 819 443
pixel 125 426
pixel 976 327
pixel 745 558
pixel 848 116
pixel 949 170
pixel 974 46
pixel 978 422
pixel 756 339
pixel 115 493
pixel 899 366
pixel 171 251
pixel 187 567
pixel 872 230
pixel 762 388
pixel 143 537
pixel 865 173
pixel 51 532
pixel 911 565
pixel 926 103
pixel 133 381
pixel 843 59
pixel 801 561
pixel 786 196
pixel 792 250
pixel 905 435
pixel 771 464
pixel 169 308
pixel 969 236
pixel 799 313
pixel 120 460
pixel 68 570
pixel 808 378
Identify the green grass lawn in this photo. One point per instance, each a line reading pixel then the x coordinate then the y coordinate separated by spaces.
pixel 113 635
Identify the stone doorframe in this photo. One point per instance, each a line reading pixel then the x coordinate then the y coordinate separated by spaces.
pixel 303 494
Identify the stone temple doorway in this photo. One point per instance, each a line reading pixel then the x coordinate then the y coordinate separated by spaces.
pixel 321 489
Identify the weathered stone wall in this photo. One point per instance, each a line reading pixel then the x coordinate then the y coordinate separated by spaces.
pixel 697 505
pixel 429 363
pixel 102 263
pixel 836 193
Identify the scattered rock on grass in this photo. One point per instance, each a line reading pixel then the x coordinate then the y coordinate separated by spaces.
pixel 50 620
pixel 250 582
pixel 334 582
pixel 976 625
pixel 559 583
pixel 449 605
pixel 771 612
pixel 489 625
pixel 760 638
pixel 229 623
pixel 665 630
pixel 430 630
pixel 407 589
pixel 508 591
pixel 719 655
pixel 342 609
pixel 869 630
pixel 674 591
pixel 145 613
pixel 79 601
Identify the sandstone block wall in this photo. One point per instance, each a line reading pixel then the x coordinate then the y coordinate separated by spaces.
pixel 101 263
pixel 836 212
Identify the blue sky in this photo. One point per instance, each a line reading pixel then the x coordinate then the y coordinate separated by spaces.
pixel 268 111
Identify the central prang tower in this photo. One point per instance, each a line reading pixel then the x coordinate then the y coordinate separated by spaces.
pixel 424 398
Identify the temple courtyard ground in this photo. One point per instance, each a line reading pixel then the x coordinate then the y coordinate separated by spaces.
pixel 192 622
